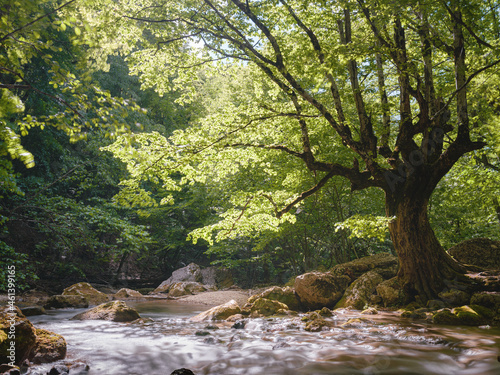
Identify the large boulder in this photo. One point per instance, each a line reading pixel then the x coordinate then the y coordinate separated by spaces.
pixel 266 307
pixel 125 293
pixel 116 311
pixel 17 335
pixel 220 312
pixel 480 252
pixel 384 264
pixel 49 347
pixel 487 299
pixel 358 294
pixel 61 302
pixel 33 310
pixel 284 295
pixel 88 291
pixel 192 272
pixel 468 315
pixel 391 292
pixel 186 288
pixel 317 289
pixel 219 277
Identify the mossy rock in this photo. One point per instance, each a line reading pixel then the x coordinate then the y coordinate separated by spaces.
pixel 415 314
pixel 285 295
pixel 445 317
pixel 325 311
pixel 358 294
pixel 125 293
pixel 266 307
pixel 486 299
pixel 62 302
pixel 412 306
pixel 88 291
pixel 49 347
pixel 483 311
pixel 316 290
pixel 391 292
pixel 25 336
pixel 317 325
pixel 480 252
pixel 116 311
pixel 464 315
pixel 33 310
pixel 468 316
pixel 312 315
pixel 455 297
pixel 384 264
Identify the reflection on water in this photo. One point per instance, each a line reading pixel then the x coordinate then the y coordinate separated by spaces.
pixel 383 345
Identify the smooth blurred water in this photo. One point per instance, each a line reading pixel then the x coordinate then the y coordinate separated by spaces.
pixel 383 345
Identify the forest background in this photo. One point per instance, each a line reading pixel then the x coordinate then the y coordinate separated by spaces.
pixel 64 216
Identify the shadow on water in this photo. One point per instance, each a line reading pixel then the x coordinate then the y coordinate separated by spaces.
pixel 382 345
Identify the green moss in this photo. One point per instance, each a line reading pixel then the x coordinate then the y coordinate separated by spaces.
pixel 483 311
pixel 414 314
pixel 446 317
pixel 412 306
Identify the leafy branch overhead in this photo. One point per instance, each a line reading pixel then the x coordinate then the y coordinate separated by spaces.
pixel 352 88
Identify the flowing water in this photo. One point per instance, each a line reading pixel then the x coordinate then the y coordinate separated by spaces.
pixel 383 344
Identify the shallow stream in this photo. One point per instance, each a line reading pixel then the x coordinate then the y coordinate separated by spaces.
pixel 383 345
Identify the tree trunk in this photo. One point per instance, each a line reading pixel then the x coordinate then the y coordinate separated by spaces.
pixel 425 269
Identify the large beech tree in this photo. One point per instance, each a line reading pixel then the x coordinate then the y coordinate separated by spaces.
pixel 373 91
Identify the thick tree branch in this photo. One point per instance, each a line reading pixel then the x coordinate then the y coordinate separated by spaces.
pixel 306 194
pixel 34 21
pixel 321 57
pixel 368 139
pixel 457 18
pixel 28 86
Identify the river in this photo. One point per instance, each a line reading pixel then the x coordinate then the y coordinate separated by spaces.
pixel 384 344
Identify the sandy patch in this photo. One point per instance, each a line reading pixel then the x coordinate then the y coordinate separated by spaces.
pixel 217 298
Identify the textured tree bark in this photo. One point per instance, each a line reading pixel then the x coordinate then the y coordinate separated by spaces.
pixel 425 269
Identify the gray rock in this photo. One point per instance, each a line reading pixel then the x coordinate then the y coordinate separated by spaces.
pixel 184 288
pixel 317 289
pixel 217 276
pixel 192 272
